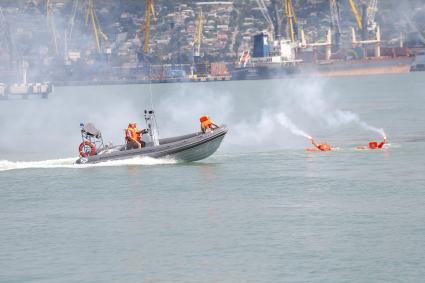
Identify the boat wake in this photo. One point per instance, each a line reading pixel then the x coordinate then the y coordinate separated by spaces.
pixel 6 165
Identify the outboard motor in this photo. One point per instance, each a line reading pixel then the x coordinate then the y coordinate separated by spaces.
pixel 91 140
pixel 151 126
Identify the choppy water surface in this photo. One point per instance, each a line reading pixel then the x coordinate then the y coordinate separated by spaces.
pixel 261 210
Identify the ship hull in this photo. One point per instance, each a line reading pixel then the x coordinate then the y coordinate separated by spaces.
pixel 326 69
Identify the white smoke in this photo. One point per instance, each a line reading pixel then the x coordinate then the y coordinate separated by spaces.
pixel 339 118
pixel 287 123
pixel 256 113
pixel 315 100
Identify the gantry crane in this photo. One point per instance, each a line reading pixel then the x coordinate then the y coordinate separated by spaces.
pixel 291 20
pixel 356 13
pixel 51 24
pixel 367 18
pixel 335 21
pixel 198 33
pixel 276 19
pixel 91 17
pixel 71 22
pixel 4 24
pixel 149 13
pixel 361 18
pixel 371 13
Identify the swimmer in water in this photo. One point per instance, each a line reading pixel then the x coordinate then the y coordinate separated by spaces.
pixel 373 145
pixel 320 147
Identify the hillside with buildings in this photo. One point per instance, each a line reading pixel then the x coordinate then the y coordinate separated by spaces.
pixel 57 38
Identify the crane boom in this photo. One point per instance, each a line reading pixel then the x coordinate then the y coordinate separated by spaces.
pixel 371 13
pixel 356 13
pixel 198 33
pixel 149 12
pixel 97 31
pixel 8 36
pixel 335 21
pixel 71 22
pixel 51 24
pixel 291 19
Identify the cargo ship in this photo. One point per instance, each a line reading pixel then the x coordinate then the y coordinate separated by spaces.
pixel 286 59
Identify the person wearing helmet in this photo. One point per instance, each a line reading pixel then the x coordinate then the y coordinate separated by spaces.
pixel 320 147
pixel 207 125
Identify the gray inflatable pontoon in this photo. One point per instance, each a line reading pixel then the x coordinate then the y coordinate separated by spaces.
pixel 185 148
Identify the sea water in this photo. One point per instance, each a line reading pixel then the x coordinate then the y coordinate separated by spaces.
pixel 262 209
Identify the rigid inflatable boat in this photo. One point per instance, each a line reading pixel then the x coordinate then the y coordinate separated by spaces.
pixel 186 148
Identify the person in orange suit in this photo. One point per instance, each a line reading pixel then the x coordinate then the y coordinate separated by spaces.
pixel 207 125
pixel 133 136
pixel 320 147
pixel 373 145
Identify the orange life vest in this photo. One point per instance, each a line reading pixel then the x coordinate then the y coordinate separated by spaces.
pixel 130 132
pixel 375 145
pixel 206 122
pixel 137 135
pixel 324 147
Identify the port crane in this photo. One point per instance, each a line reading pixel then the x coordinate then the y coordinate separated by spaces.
pixel 366 19
pixel 356 13
pixel 8 37
pixel 275 17
pixel 146 29
pixel 198 33
pixel 335 22
pixel 51 24
pixel 366 22
pixel 291 20
pixel 371 13
pixel 91 17
pixel 71 22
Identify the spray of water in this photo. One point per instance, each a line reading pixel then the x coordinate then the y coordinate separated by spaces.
pixel 70 163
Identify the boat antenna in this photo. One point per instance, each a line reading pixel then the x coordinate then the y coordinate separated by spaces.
pixel 149 13
pixel 150 88
pixel 151 92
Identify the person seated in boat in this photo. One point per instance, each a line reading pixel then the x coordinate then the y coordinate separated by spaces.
pixel 320 147
pixel 207 125
pixel 133 136
pixel 373 145
pixel 139 133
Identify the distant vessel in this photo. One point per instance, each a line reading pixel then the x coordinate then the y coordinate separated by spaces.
pixel 419 64
pixel 24 90
pixel 283 59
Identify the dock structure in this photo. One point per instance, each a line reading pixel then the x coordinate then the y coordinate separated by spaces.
pixel 25 91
